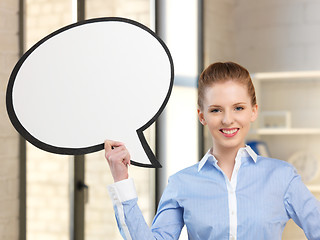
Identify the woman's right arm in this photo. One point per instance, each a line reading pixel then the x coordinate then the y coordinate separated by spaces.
pixel 168 222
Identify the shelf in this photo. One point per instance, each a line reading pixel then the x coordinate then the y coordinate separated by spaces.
pixel 286 131
pixel 314 188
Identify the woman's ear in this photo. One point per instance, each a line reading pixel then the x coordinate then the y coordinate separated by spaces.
pixel 201 117
pixel 254 113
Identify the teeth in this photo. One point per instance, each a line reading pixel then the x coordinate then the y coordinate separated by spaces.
pixel 229 131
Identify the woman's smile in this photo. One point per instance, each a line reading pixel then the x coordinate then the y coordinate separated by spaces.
pixel 229 132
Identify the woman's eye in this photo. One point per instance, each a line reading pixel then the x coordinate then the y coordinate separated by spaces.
pixel 239 108
pixel 215 110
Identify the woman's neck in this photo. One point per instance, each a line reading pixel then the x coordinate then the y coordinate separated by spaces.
pixel 226 158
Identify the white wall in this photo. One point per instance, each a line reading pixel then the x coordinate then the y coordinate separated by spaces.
pixel 277 35
pixel 219 31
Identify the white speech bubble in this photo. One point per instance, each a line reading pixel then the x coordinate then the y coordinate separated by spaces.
pixel 104 78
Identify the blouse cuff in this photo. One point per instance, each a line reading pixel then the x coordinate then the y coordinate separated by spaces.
pixel 122 191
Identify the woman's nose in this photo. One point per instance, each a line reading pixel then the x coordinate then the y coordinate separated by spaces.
pixel 227 118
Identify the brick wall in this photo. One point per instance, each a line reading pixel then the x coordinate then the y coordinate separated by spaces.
pixel 137 10
pixel 9 141
pixel 44 17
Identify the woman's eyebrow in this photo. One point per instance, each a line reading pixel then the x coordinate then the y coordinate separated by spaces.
pixel 213 105
pixel 240 103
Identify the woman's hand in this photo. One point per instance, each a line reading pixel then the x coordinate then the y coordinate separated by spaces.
pixel 118 158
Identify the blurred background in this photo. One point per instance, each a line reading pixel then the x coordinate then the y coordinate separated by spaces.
pixel 54 197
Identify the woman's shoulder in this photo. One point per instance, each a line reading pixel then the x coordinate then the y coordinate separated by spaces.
pixel 273 161
pixel 277 165
pixel 187 172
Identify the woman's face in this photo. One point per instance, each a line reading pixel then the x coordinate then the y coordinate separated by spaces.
pixel 228 113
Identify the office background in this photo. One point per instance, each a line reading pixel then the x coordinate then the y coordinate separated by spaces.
pixel 277 40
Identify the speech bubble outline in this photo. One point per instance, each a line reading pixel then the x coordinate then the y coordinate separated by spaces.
pixel 29 136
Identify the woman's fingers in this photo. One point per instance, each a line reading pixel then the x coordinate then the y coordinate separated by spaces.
pixel 110 145
pixel 118 154
pixel 118 158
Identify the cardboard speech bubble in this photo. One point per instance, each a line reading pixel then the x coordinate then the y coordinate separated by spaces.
pixel 103 78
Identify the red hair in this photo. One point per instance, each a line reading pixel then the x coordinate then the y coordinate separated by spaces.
pixel 222 72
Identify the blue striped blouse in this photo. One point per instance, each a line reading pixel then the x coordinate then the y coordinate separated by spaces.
pixel 262 195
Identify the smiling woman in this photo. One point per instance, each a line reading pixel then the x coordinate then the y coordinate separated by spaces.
pixel 227 105
pixel 249 196
pixel 228 118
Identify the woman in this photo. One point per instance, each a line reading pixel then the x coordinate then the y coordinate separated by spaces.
pixel 231 193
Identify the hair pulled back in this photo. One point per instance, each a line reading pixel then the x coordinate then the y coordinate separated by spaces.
pixel 221 72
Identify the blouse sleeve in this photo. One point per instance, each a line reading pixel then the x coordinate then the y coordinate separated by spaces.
pixel 303 207
pixel 166 225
